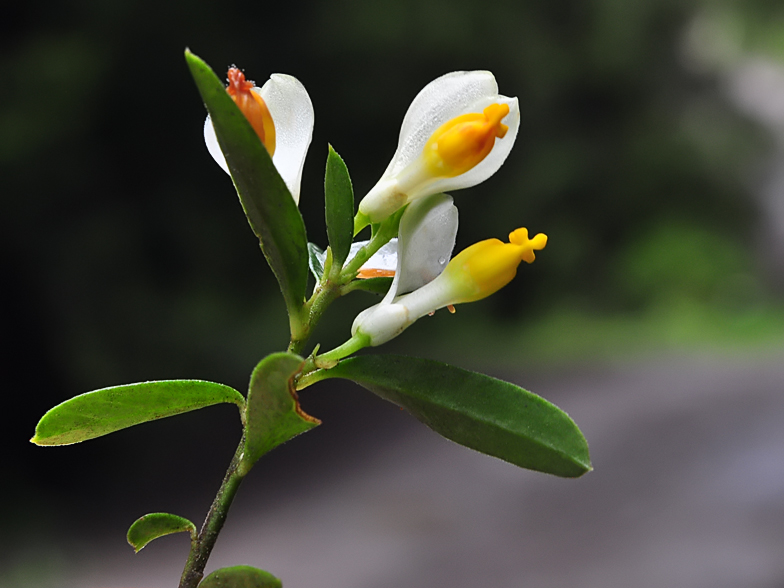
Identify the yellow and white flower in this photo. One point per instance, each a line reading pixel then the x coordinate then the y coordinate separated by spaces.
pixel 475 273
pixel 456 133
pixel 282 115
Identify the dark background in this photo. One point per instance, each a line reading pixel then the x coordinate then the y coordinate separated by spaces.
pixel 125 255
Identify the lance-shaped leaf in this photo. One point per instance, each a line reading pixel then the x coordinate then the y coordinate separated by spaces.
pixel 157 524
pixel 268 204
pixel 240 577
pixel 104 411
pixel 475 410
pixel 339 206
pixel 272 413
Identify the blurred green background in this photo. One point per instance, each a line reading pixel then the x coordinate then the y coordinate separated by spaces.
pixel 126 256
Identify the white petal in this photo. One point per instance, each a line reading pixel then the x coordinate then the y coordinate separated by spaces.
pixel 212 144
pixel 428 230
pixel 292 112
pixel 383 259
pixel 293 116
pixel 441 100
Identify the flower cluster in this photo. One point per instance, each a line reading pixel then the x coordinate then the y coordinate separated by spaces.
pixel 456 133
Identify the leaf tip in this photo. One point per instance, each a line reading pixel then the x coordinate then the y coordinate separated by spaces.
pixel 43 440
pixel 584 467
pixel 194 61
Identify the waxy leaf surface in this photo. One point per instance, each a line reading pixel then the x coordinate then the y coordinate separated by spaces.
pixel 271 211
pixel 157 524
pixel 104 411
pixel 240 577
pixel 272 413
pixel 486 414
pixel 339 205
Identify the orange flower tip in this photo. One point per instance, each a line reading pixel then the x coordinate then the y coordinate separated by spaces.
pixel 252 106
pixel 451 308
pixel 237 82
pixel 366 274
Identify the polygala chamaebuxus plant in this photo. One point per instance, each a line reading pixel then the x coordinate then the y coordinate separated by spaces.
pixel 456 133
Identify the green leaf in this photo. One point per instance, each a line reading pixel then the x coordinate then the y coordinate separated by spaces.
pixel 316 258
pixel 157 524
pixel 104 411
pixel 271 211
pixel 272 414
pixel 475 410
pixel 339 199
pixel 240 577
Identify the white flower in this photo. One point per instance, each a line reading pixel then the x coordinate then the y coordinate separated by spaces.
pixel 427 233
pixel 283 109
pixel 475 273
pixel 456 133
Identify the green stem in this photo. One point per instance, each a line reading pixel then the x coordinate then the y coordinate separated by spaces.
pixel 310 378
pixel 330 358
pixel 202 546
pixel 316 367
pixel 312 312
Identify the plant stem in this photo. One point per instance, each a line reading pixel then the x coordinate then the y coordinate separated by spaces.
pixel 331 358
pixel 202 546
pixel 324 295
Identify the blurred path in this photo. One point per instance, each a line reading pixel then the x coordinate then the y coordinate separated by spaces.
pixel 688 491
